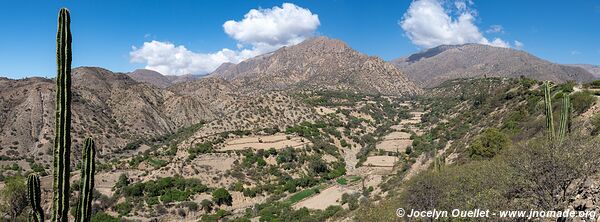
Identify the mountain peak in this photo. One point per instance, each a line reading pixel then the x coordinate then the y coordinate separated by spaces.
pixel 323 43
pixel 318 63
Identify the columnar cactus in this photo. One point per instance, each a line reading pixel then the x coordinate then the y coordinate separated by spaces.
pixel 565 117
pixel 34 194
pixel 548 108
pixel 88 167
pixel 62 141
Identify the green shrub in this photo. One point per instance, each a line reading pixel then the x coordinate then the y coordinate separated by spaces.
pixel 221 196
pixel 174 196
pixel 13 198
pixel 206 205
pixel 342 181
pixel 318 166
pixel 190 205
pixel 595 84
pixel 582 101
pixel 488 144
pixel 104 217
pixel 157 163
pixel 200 148
pixel 124 208
pixel 344 143
pixel 152 201
pixel 168 189
pixel 595 120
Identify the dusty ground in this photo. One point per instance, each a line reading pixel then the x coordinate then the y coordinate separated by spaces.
pixel 395 142
pixel 380 161
pixel 278 141
pixel 322 110
pixel 394 145
pixel 328 197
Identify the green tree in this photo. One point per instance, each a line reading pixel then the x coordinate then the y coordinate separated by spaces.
pixel 318 166
pixel 221 196
pixel 123 181
pixel 488 144
pixel 13 198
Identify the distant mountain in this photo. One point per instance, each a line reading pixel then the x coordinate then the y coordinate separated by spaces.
pixel 160 80
pixel 318 64
pixel 116 110
pixel 431 67
pixel 593 69
pixel 113 108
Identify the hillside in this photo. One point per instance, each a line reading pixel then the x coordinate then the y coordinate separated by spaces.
pixel 487 136
pixel 433 66
pixel 314 155
pixel 158 79
pixel 318 64
pixel 593 69
pixel 112 107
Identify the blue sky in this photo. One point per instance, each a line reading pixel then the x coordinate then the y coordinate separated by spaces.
pixel 104 32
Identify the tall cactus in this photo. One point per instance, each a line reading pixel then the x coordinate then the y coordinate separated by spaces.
pixel 34 195
pixel 62 141
pixel 565 117
pixel 84 208
pixel 548 108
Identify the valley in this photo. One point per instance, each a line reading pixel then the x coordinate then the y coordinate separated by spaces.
pixel 306 141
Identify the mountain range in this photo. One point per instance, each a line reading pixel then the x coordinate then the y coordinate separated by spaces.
pixel 120 108
pixel 160 80
pixel 593 69
pixel 433 66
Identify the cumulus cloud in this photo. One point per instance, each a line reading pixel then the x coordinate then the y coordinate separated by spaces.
pixel 259 32
pixel 279 25
pixel 167 58
pixel 428 24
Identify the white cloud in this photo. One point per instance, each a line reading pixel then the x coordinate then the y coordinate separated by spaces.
pixel 275 26
pixel 166 58
pixel 495 29
pixel 519 45
pixel 260 31
pixel 575 52
pixel 428 24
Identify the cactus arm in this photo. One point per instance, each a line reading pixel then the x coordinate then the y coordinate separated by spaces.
pixel 565 117
pixel 548 109
pixel 34 196
pixel 62 142
pixel 84 208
